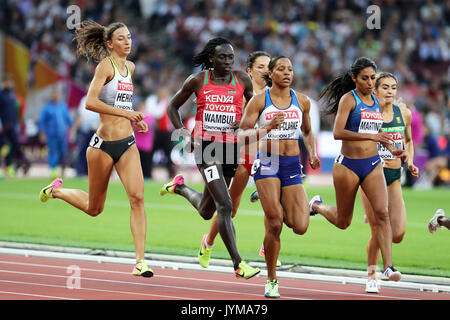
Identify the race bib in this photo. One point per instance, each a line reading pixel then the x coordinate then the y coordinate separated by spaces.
pixel 371 122
pixel 96 141
pixel 124 96
pixel 289 129
pixel 255 166
pixel 397 144
pixel 219 113
pixel 211 173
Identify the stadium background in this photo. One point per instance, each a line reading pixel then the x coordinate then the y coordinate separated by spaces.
pixel 322 38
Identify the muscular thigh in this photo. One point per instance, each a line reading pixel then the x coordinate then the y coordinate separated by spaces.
pixel 100 166
pixel 346 184
pixel 295 204
pixel 129 170
pixel 269 195
pixel 374 186
pixel 216 187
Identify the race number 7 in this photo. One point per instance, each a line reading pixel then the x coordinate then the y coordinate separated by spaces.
pixel 211 173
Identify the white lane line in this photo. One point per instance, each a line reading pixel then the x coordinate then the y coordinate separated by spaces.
pixel 95 289
pixel 227 282
pixel 35 295
pixel 150 284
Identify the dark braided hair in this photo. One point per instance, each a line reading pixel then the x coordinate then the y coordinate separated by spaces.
pixel 202 58
pixel 334 91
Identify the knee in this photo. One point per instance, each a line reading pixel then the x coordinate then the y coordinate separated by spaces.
pixel 397 237
pixel 382 216
pixel 225 208
pixel 93 212
pixel 274 227
pixel 300 229
pixel 136 199
pixel 343 224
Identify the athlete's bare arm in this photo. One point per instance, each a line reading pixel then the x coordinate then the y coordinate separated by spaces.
pixel 246 82
pixel 308 136
pixel 246 133
pixel 191 85
pixel 409 146
pixel 103 73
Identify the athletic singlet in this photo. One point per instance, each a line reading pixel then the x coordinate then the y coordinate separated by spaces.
pixel 290 128
pixel 396 131
pixel 364 118
pixel 118 92
pixel 218 106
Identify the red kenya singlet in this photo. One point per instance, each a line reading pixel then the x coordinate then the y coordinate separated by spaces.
pixel 218 106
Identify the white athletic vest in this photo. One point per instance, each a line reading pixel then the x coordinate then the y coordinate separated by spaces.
pixel 118 92
pixel 290 128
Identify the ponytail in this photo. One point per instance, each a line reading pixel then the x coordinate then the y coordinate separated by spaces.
pixel 334 91
pixel 92 37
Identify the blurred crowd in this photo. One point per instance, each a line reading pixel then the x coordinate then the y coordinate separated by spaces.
pixel 322 38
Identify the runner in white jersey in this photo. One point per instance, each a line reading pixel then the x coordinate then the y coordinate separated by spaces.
pixel 113 145
pixel 281 114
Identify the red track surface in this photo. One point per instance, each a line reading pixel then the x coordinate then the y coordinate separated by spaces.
pixel 32 278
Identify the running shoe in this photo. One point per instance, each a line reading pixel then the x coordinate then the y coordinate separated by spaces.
pixel 46 193
pixel 254 196
pixel 372 286
pixel 433 224
pixel 245 271
pixel 170 186
pixel 271 289
pixel 262 254
pixel 315 199
pixel 204 254
pixel 390 274
pixel 141 269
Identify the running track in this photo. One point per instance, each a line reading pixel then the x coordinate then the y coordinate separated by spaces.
pixel 37 278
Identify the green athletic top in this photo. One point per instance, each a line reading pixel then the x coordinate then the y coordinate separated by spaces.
pixel 396 130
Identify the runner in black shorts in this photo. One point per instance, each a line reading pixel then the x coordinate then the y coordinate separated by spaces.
pixel 219 94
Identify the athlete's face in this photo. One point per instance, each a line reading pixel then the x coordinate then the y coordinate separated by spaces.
pixel 282 73
pixel 223 58
pixel 121 41
pixel 259 68
pixel 365 80
pixel 387 90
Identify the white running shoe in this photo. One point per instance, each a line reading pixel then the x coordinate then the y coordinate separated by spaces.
pixel 315 199
pixel 372 286
pixel 433 224
pixel 390 274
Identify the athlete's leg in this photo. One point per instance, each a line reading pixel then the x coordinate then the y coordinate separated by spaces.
pixel 100 165
pixel 397 211
pixel 202 201
pixel 129 170
pixel 372 248
pixel 217 190
pixel 269 195
pixel 374 187
pixel 296 209
pixel 236 189
pixel 346 184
